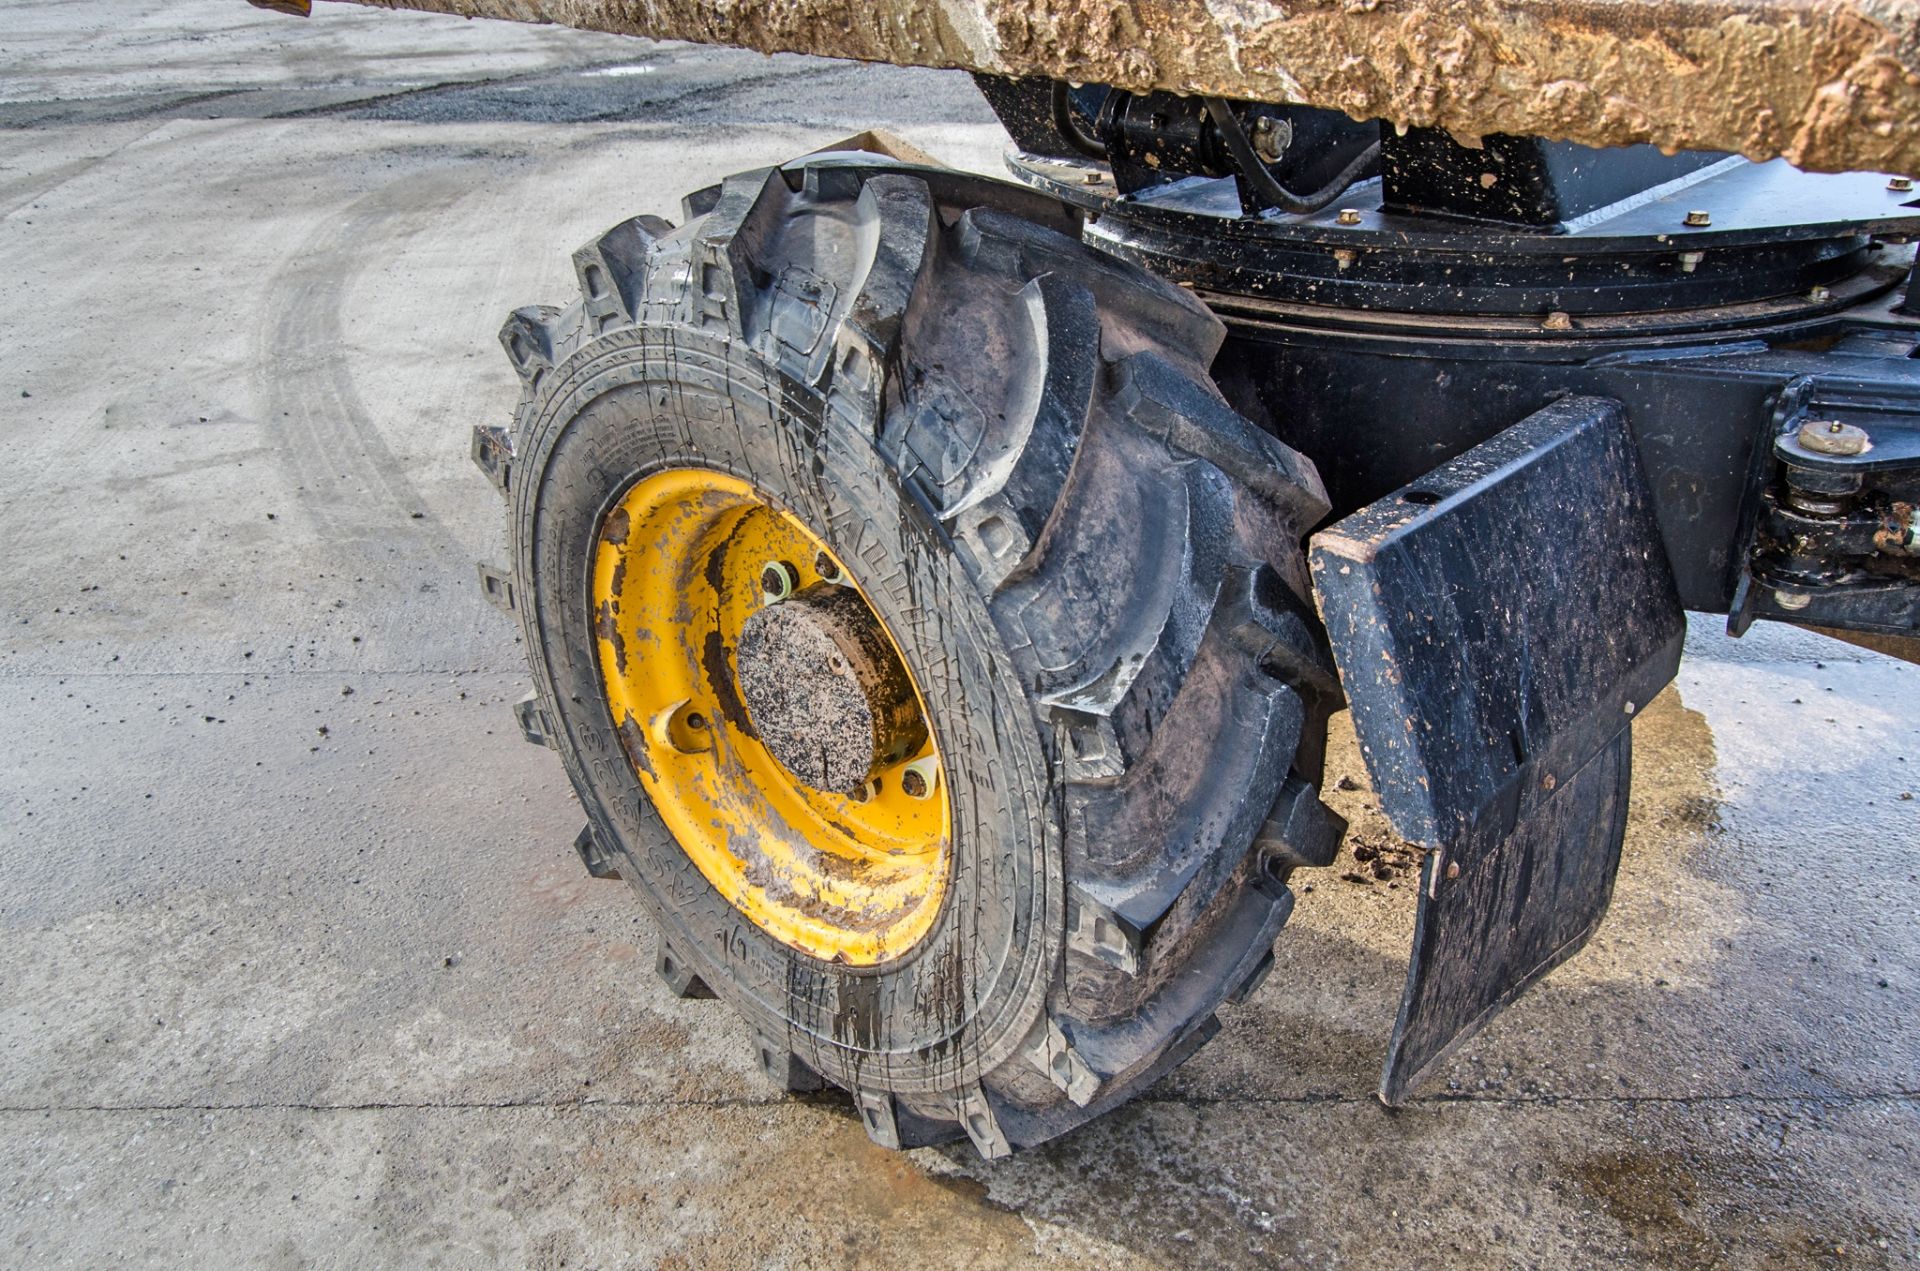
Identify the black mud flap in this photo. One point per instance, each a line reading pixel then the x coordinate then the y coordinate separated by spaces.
pixel 1497 625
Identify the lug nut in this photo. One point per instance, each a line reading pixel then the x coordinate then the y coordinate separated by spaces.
pixel 1349 216
pixel 918 779
pixel 776 580
pixel 1698 219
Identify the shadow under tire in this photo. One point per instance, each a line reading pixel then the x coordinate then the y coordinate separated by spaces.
pixel 1090 565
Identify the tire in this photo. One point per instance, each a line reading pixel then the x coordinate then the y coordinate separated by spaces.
pixel 1089 562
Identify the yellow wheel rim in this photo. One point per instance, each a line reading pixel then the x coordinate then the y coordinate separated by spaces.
pixel 680 566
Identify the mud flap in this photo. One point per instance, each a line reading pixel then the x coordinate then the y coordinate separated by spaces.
pixel 1497 625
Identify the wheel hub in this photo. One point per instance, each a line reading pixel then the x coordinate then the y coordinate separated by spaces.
pixel 826 691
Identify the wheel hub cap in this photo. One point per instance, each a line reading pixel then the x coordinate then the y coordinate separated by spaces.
pixel 826 691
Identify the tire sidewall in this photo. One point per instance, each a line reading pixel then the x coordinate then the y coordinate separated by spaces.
pixel 639 400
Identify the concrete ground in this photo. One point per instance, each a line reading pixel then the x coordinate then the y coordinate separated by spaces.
pixel 297 965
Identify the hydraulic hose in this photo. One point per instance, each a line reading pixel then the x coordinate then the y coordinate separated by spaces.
pixel 1257 175
pixel 1069 127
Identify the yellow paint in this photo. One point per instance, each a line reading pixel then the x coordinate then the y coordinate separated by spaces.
pixel 676 573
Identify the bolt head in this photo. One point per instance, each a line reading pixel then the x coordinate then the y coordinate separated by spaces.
pixel 825 566
pixel 1349 216
pixel 1819 295
pixel 1271 137
pixel 776 580
pixel 1901 184
pixel 917 779
pixel 1831 437
pixel 1699 219
pixel 1792 601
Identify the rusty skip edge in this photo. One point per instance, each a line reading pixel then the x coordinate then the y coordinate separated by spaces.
pixel 1830 85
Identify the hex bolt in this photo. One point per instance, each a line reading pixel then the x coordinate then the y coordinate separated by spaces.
pixel 1900 184
pixel 1453 869
pixel 1271 137
pixel 1690 261
pixel 1831 437
pixel 776 581
pixel 1792 601
pixel 1349 216
pixel 918 780
pixel 1557 321
pixel 827 567
pixel 1698 219
pixel 1819 295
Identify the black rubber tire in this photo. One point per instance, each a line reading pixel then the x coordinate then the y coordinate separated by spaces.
pixel 1092 566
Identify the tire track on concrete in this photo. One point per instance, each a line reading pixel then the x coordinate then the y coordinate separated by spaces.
pixel 24 191
pixel 347 480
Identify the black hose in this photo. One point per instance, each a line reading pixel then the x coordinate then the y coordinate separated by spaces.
pixel 1228 126
pixel 1069 128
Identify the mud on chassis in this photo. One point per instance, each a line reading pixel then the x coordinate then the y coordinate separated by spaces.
pixel 937 587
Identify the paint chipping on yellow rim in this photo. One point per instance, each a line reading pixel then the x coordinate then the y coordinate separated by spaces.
pixel 677 570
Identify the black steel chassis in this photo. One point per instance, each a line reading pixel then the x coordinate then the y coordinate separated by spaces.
pixel 1557 396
